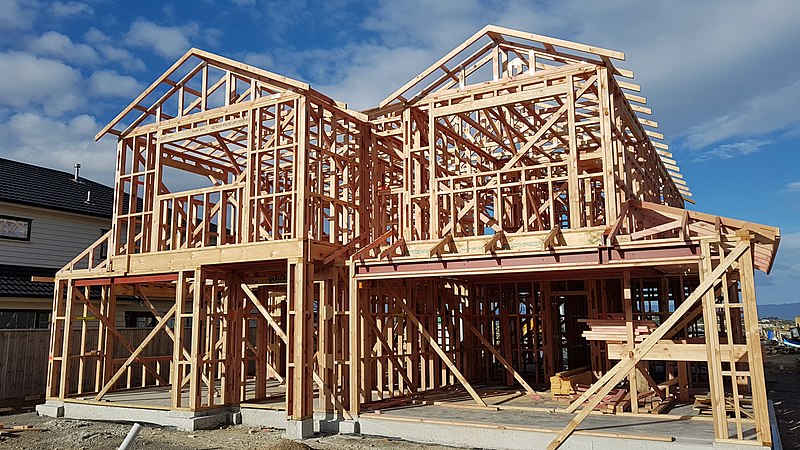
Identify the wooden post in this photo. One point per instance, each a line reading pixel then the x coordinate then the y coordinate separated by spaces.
pixel 63 388
pixel 609 165
pixel 356 338
pixel 710 325
pixel 753 338
pixel 198 322
pixel 627 305
pixel 299 378
pixel 177 345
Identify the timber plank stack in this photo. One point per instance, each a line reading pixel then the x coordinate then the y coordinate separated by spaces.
pixel 702 404
pixel 614 402
pixel 615 330
pixel 566 382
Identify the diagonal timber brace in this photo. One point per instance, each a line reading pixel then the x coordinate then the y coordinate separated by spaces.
pixel 111 328
pixel 494 351
pixel 620 370
pixel 400 301
pixel 317 379
pixel 135 355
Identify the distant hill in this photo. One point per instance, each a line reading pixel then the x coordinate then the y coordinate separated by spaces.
pixel 786 311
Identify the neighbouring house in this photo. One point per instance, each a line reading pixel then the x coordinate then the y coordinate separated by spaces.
pixel 46 218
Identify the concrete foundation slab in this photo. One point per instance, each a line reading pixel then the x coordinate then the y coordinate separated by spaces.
pixel 182 420
pixel 501 437
pixel 448 423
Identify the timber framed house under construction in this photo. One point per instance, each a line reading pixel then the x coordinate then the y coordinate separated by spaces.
pixel 505 223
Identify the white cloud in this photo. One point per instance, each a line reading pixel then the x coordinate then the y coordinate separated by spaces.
pixel 111 52
pixel 70 9
pixel 17 14
pixel 732 150
pixel 95 36
pixel 166 41
pixel 107 83
pixel 759 114
pixel 64 143
pixel 419 22
pixel 31 81
pixel 60 46
pixel 794 186
pixel 121 56
pixel 262 60
pixel 369 73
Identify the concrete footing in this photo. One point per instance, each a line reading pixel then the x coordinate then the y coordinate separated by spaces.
pixel 299 429
pixel 51 409
pixel 267 418
pixel 349 427
pixel 189 421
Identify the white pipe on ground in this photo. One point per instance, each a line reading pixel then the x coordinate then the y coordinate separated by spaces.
pixel 130 437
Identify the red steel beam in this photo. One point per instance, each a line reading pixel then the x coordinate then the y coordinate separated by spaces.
pixel 161 278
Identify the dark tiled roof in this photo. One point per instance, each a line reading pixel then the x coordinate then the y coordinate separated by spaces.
pixel 15 281
pixel 53 189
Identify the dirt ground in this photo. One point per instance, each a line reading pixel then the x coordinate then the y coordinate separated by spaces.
pixel 81 434
pixel 783 388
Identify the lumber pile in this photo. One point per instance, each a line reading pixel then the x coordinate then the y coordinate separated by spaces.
pixel 611 330
pixel 702 404
pixel 566 382
pixel 619 400
pixel 616 400
pixel 651 402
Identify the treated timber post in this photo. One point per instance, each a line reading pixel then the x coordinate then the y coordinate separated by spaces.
pixel 627 304
pixel 434 221
pixel 63 387
pixel 177 348
pixel 754 357
pixel 195 358
pixel 711 330
pixel 572 158
pixel 325 341
pixel 355 342
pixel 300 386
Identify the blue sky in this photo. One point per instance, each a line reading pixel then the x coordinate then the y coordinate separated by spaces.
pixel 722 77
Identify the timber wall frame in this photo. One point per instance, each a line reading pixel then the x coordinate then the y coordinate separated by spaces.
pixel 461 232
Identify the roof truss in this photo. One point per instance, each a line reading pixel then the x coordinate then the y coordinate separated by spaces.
pixel 495 53
pixel 198 82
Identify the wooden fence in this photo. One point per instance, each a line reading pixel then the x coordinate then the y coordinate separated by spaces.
pixel 23 360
